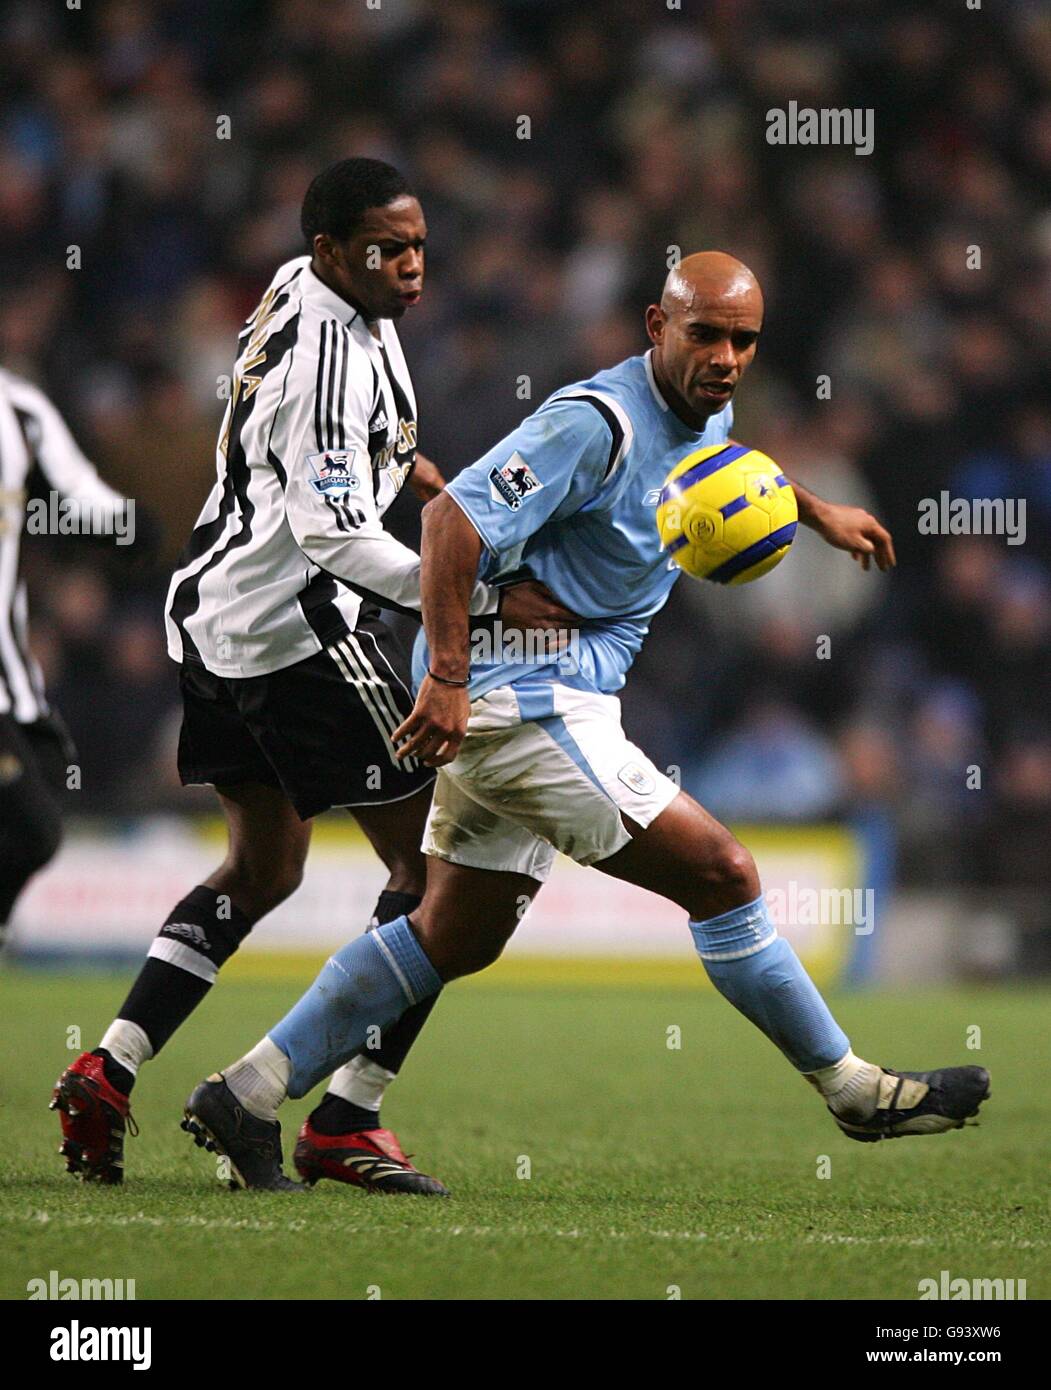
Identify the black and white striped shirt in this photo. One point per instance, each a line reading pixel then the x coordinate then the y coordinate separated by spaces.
pixel 34 435
pixel 317 441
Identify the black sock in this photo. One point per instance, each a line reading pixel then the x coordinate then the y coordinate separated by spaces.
pixel 335 1115
pixel 390 906
pixel 201 934
pixel 120 1078
pixel 162 997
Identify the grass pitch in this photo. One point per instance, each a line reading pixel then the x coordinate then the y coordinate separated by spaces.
pixel 650 1169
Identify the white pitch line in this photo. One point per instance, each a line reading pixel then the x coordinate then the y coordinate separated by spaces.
pixel 227 1223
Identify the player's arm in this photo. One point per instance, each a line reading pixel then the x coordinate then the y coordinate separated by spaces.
pixel 330 501
pixel 847 528
pixel 451 549
pixel 331 509
pixel 63 465
pixel 426 480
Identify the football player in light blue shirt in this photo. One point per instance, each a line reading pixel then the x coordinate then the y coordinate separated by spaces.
pixel 569 499
pixel 532 757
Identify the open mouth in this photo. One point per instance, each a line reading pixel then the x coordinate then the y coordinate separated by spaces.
pixel 410 296
pixel 718 390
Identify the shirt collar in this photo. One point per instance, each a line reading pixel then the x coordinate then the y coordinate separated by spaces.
pixel 648 361
pixel 329 302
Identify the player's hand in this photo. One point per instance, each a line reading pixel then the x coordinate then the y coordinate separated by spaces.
pixel 530 605
pixel 434 730
pixel 854 529
pixel 426 479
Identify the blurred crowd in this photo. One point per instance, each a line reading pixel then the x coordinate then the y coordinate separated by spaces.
pixel 907 348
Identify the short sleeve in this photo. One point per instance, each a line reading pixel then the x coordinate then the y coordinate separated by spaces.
pixel 550 466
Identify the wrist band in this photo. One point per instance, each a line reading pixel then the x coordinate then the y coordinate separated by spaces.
pixel 443 680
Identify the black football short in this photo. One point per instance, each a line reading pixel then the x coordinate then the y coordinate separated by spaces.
pixel 320 730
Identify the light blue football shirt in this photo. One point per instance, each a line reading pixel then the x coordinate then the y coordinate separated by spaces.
pixel 569 498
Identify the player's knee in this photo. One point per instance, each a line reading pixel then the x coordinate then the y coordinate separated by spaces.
pixel 472 956
pixel 458 948
pixel 729 879
pixel 737 872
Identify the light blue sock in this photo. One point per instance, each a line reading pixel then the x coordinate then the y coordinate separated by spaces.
pixel 760 974
pixel 369 983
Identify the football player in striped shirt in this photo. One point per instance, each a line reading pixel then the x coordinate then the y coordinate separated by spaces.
pixel 292 684
pixel 37 454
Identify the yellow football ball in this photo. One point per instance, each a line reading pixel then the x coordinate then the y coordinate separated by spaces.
pixel 727 513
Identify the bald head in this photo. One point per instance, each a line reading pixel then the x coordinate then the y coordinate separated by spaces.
pixel 708 275
pixel 704 333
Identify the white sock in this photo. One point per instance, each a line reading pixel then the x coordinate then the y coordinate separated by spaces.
pixel 127 1044
pixel 362 1082
pixel 260 1079
pixel 850 1086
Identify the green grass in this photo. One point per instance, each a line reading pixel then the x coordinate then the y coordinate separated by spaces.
pixel 649 1167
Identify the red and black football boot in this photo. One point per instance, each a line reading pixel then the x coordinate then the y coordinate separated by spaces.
pixel 370 1158
pixel 94 1116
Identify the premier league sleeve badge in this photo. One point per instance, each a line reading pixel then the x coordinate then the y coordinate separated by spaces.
pixel 333 472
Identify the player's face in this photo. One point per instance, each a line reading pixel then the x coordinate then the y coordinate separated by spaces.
pixel 380 267
pixel 703 350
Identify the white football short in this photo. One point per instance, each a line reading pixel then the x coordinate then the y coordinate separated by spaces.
pixel 527 782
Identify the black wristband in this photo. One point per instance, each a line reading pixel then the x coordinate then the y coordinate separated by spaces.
pixel 443 680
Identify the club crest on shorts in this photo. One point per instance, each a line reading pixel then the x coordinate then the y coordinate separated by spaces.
pixel 637 779
pixel 332 472
pixel 513 483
